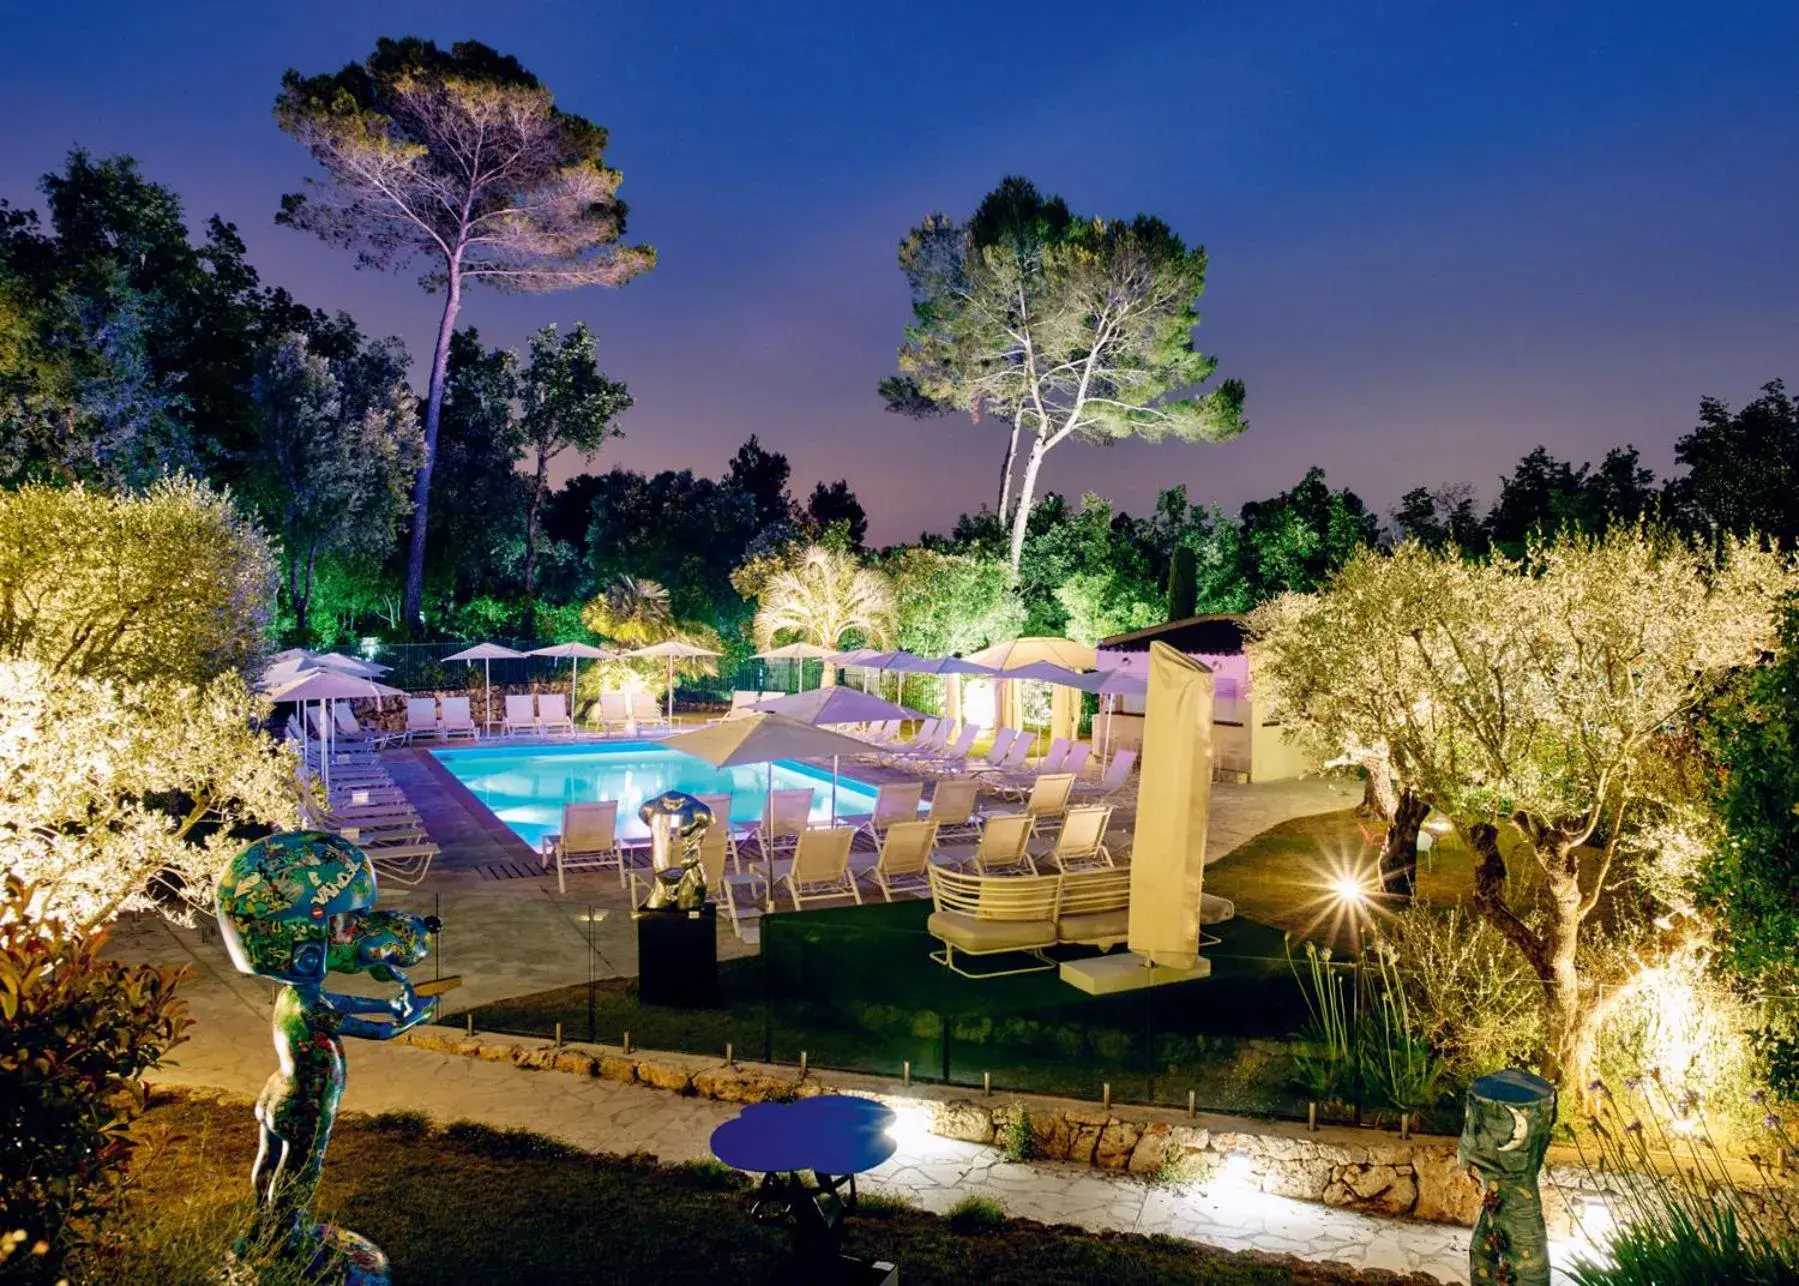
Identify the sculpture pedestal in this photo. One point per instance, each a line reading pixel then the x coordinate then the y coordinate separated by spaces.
pixel 677 957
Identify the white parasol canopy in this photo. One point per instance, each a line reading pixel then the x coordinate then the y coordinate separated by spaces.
pixel 796 653
pixel 487 654
pixel 576 653
pixel 762 738
pixel 672 650
pixel 824 706
pixel 323 685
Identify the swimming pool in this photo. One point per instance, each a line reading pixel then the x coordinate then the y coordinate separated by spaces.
pixel 526 786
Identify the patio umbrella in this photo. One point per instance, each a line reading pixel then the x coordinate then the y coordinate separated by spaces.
pixel 797 653
pixel 673 650
pixel 296 661
pixel 574 652
pixel 762 738
pixel 487 654
pixel 326 685
pixel 824 706
pixel 857 659
pixel 894 661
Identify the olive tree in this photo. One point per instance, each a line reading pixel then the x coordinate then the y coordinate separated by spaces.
pixel 460 158
pixel 1546 706
pixel 130 760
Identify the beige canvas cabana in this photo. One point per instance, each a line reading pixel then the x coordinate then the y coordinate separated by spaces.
pixel 1065 703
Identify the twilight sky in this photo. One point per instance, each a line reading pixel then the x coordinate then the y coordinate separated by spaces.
pixel 1440 233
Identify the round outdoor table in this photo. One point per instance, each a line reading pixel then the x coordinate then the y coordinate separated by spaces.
pixel 832 1138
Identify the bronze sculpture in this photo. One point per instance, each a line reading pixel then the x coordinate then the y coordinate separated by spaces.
pixel 678 826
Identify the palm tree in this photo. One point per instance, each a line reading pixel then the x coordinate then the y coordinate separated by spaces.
pixel 632 610
pixel 823 596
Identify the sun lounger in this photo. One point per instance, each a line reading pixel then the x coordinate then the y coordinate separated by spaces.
pixel 521 714
pixel 1076 762
pixel 552 714
pixel 1004 846
pixel 1010 765
pixel 1117 773
pixel 785 816
pixel 895 801
pixel 589 839
pixel 421 717
pixel 927 748
pixel 1082 840
pixel 723 825
pixel 904 861
pixel 1049 796
pixel 365 734
pixel 953 809
pixel 647 712
pixel 615 712
pixel 457 721
pixel 820 866
pixel 954 758
pixel 925 733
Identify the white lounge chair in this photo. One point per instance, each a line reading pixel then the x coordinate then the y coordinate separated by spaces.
pixel 647 712
pixel 552 714
pixel 1005 846
pixel 457 720
pixel 904 862
pixel 895 801
pixel 366 734
pixel 821 866
pixel 1076 761
pixel 589 838
pixel 615 712
pixel 1049 797
pixel 1082 840
pixel 924 748
pixel 785 816
pixel 1010 765
pixel 953 808
pixel 954 758
pixel 1117 774
pixel 521 714
pixel 723 825
pixel 421 718
pixel 925 733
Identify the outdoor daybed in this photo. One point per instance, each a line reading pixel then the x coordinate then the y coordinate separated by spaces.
pixel 981 915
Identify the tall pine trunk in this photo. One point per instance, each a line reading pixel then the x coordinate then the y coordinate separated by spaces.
pixel 1027 491
pixel 412 606
pixel 1005 470
pixel 538 486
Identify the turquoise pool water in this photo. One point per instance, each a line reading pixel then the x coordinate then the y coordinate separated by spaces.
pixel 526 786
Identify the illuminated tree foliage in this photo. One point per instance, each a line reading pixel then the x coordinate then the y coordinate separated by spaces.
pixel 339 445
pixel 1548 703
pixel 1061 327
pixel 823 596
pixel 461 158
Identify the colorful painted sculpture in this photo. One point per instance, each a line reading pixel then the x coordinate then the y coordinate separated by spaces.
pixel 295 907
pixel 678 824
pixel 1505 1135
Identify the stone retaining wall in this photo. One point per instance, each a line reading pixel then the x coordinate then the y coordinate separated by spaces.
pixel 1375 1172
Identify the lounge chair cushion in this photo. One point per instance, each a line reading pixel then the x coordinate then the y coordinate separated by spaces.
pixel 1095 926
pixel 1215 910
pixel 976 936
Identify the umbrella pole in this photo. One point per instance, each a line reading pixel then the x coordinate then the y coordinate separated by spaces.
pixel 574 682
pixel 487 672
pixel 768 836
pixel 325 750
pixel 833 790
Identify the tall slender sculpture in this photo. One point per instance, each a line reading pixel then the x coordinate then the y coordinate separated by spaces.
pixel 1505 1136
pixel 295 907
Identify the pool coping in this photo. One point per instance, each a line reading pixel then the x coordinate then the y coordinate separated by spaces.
pixel 483 815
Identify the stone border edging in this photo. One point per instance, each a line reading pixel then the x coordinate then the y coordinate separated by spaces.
pixel 1335 1166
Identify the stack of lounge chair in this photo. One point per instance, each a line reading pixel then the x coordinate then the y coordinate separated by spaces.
pixel 364 806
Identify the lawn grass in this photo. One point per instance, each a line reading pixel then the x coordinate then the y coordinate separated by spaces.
pixel 472 1204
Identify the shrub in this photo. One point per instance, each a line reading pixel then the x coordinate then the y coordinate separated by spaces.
pixel 977 1216
pixel 882 1205
pixel 1012 1132
pixel 406 1123
pixel 710 1175
pixel 76 1032
pixel 509 1144
pixel 1468 990
pixel 1689 1224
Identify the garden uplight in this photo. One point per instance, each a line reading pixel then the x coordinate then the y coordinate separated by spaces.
pixel 1349 890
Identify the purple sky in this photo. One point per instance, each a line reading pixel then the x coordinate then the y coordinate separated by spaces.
pixel 1440 232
